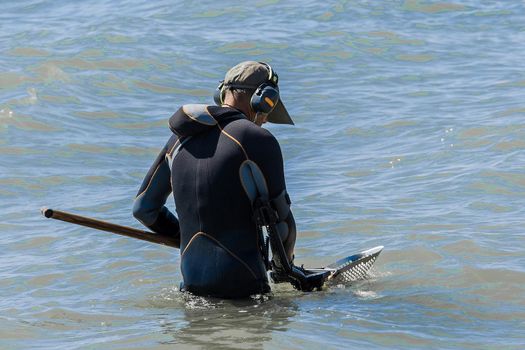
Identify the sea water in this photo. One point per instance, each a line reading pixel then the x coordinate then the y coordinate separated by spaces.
pixel 410 133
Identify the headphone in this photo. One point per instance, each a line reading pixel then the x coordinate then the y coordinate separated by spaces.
pixel 265 97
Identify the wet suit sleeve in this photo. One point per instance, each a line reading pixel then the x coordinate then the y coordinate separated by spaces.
pixel 149 206
pixel 267 154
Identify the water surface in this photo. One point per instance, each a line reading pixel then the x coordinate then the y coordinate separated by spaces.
pixel 409 134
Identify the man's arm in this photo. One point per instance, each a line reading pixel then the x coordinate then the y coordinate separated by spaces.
pixel 149 203
pixel 267 154
pixel 286 225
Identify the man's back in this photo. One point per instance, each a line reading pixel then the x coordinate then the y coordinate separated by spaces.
pixel 220 252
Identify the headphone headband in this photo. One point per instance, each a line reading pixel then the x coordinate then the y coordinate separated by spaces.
pixel 273 78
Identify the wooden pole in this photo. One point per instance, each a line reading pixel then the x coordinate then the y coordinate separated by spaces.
pixel 109 227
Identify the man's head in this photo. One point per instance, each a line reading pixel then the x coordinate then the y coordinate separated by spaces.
pixel 252 87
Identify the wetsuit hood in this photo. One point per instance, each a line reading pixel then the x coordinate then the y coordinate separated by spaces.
pixel 193 119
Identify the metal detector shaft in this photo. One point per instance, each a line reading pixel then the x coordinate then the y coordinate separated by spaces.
pixel 110 227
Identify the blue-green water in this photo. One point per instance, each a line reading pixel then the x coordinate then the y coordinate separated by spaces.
pixel 410 133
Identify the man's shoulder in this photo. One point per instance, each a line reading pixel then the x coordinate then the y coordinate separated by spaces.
pixel 250 131
pixel 259 143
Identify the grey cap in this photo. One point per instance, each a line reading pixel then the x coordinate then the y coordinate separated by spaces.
pixel 251 74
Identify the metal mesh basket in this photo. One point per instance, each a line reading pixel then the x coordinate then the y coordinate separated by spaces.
pixel 354 270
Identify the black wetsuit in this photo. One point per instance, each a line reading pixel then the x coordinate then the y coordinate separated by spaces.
pixel 220 248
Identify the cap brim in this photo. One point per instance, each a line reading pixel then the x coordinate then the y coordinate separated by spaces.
pixel 279 115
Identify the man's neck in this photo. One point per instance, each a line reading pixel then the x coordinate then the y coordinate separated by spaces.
pixel 244 108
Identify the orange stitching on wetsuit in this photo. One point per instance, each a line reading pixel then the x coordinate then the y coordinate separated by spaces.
pixel 157 168
pixel 150 180
pixel 230 136
pixel 190 242
pixel 234 140
pixel 220 245
pixel 231 253
pixel 170 152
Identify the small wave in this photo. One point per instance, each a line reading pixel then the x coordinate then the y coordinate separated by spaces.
pixel 66 315
pixel 35 242
pixel 173 297
pixel 366 294
pixel 161 89
pixel 50 72
pixel 421 58
pixel 28 52
pixel 9 118
pixel 417 6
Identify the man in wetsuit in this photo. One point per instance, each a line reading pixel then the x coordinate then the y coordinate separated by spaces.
pixel 221 250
